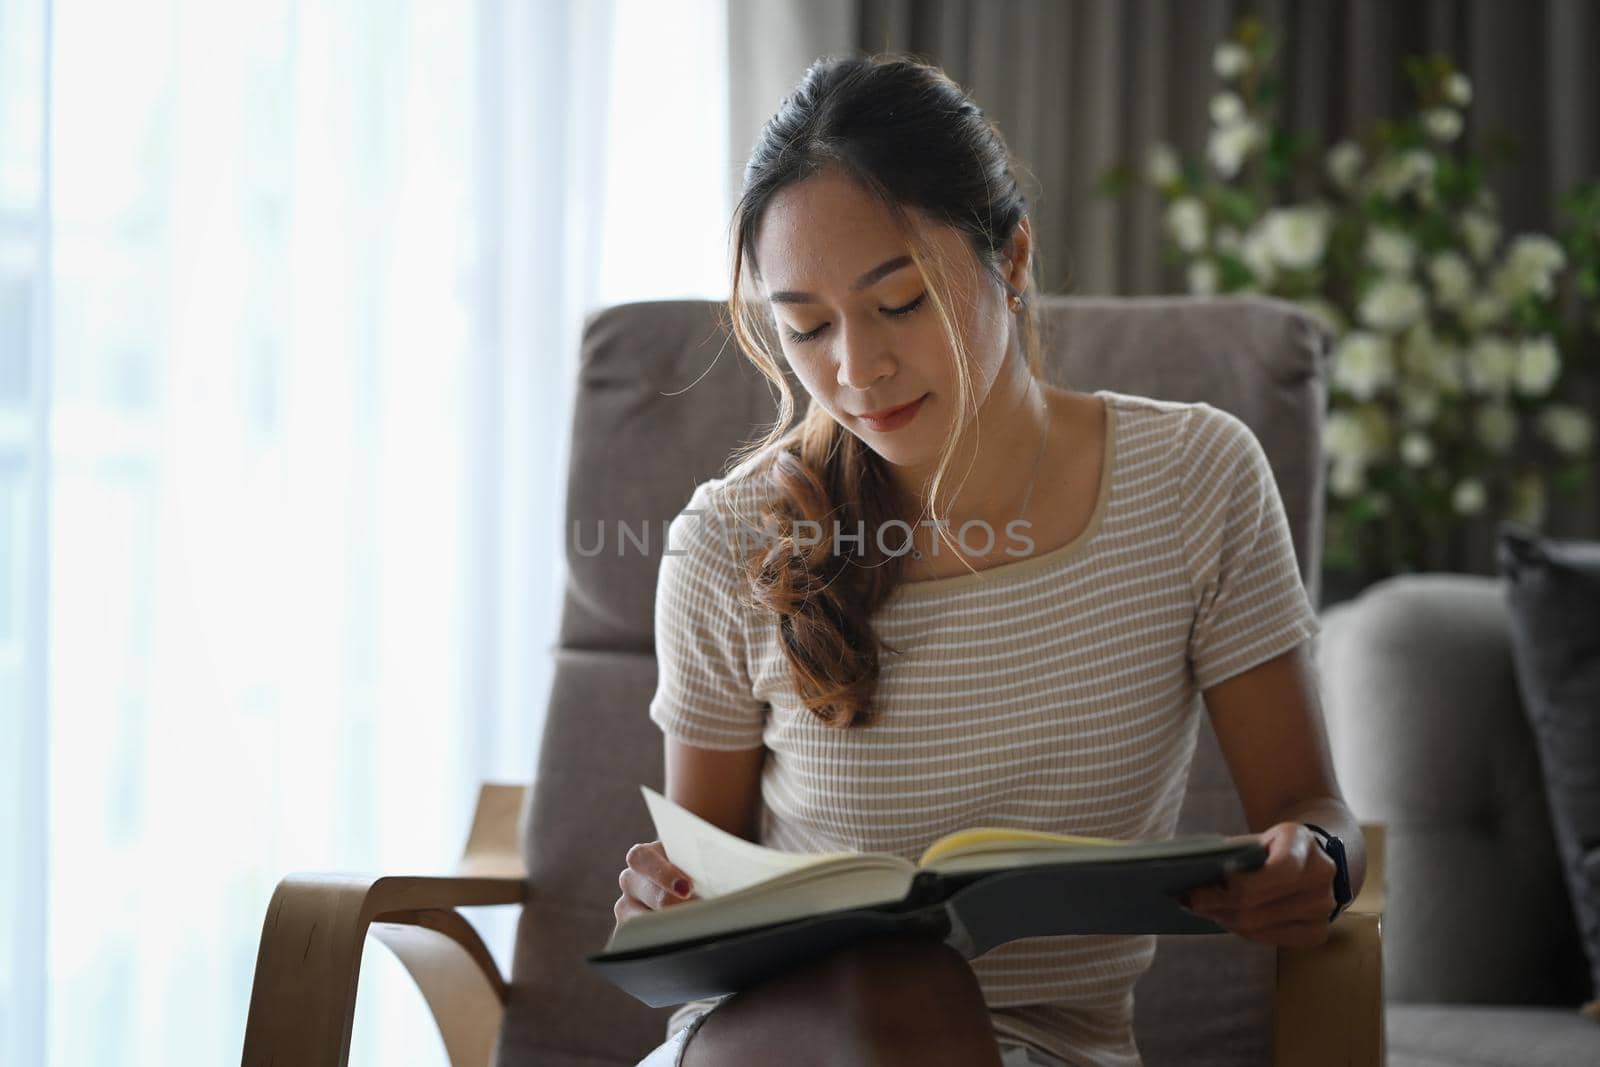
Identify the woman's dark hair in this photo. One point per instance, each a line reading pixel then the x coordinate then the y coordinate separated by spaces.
pixel 913 140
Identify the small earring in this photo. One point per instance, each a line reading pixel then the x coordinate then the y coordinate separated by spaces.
pixel 1015 302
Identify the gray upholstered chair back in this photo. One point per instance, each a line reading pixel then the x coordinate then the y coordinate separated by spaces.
pixel 663 397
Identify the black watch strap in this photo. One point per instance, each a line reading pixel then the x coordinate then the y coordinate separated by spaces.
pixel 1341 879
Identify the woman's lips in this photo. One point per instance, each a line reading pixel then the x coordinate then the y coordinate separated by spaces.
pixel 897 418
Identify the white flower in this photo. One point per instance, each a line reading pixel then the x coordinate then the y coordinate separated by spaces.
pixel 1452 279
pixel 1485 310
pixel 1537 253
pixel 1186 219
pixel 1348 445
pixel 1226 108
pixel 1496 426
pixel 1469 497
pixel 1390 250
pixel 1432 366
pixel 1491 364
pixel 1257 255
pixel 1344 163
pixel 1418 351
pixel 1458 90
pixel 1567 427
pixel 1161 165
pixel 1528 499
pixel 1392 304
pixel 1529 268
pixel 1346 479
pixel 1481 232
pixel 1411 170
pixel 1341 435
pixel 1442 123
pixel 1228 145
pixel 1296 236
pixel 1203 277
pixel 1446 367
pixel 1345 438
pixel 1363 363
pixel 1415 449
pixel 1230 59
pixel 1418 406
pixel 1538 366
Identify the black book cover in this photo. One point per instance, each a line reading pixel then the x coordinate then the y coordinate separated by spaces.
pixel 973 911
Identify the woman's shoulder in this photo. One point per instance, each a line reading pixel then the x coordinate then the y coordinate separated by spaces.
pixel 721 521
pixel 1188 433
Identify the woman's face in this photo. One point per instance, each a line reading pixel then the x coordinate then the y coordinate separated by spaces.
pixel 856 322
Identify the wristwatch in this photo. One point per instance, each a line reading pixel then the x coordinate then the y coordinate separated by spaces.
pixel 1341 879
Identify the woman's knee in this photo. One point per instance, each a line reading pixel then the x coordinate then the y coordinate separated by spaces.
pixel 917 995
pixel 886 1000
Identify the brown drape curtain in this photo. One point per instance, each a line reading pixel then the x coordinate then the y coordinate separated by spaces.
pixel 1077 85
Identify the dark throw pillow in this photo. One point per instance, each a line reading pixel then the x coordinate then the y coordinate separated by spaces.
pixel 1553 593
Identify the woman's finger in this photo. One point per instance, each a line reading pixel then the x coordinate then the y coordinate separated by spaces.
pixel 1302 908
pixel 649 892
pixel 651 859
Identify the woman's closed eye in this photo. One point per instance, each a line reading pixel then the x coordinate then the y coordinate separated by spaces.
pixel 899 312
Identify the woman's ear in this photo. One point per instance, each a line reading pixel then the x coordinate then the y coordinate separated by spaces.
pixel 1020 254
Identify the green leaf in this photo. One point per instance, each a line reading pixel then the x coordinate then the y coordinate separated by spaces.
pixel 1233 273
pixel 1569 480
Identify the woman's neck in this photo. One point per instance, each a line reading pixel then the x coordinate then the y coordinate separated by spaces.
pixel 994 465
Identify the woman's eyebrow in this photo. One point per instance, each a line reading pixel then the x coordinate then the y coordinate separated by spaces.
pixel 887 267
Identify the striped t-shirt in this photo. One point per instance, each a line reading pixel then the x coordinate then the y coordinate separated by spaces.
pixel 1056 692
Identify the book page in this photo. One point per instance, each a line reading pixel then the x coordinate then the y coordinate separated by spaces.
pixel 994 847
pixel 719 862
pixel 982 836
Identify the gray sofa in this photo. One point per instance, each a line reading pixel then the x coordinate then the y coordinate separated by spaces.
pixel 1482 963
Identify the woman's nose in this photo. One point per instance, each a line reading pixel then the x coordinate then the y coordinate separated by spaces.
pixel 864 360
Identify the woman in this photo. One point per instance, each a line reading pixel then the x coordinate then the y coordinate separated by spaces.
pixel 856 653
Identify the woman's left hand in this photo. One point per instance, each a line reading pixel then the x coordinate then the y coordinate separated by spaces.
pixel 1286 901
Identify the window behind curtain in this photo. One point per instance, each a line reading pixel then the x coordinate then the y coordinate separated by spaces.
pixel 289 300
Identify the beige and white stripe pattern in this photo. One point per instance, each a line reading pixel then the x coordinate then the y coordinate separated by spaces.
pixel 1058 692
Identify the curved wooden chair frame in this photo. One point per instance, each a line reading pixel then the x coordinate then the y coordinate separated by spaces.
pixel 302 1004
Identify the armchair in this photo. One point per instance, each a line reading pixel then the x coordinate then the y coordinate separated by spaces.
pixel 638 453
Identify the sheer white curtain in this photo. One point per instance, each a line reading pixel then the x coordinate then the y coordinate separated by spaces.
pixel 290 295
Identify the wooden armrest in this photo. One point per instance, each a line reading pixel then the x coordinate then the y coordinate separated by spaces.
pixel 1330 998
pixel 1370 900
pixel 302 1003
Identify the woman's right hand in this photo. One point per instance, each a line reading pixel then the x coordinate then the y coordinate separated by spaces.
pixel 650 882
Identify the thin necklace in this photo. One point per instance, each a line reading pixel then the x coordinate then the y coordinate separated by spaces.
pixel 1032 478
pixel 1043 438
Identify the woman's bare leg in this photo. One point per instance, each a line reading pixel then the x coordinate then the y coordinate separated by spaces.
pixel 893 1001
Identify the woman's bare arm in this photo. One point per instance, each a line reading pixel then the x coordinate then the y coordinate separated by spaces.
pixel 724 788
pixel 1270 727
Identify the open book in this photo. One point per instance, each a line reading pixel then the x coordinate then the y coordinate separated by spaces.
pixel 760 910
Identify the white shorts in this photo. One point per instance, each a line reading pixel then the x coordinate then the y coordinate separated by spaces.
pixel 670 1052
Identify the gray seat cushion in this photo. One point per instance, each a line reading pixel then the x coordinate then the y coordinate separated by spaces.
pixel 1484 1035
